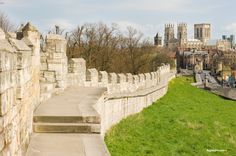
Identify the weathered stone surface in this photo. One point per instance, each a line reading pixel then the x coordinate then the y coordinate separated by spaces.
pixel 2 34
pixel 148 82
pixel 103 78
pixel 19 45
pixel 7 100
pixel 6 46
pixel 92 76
pixel 19 91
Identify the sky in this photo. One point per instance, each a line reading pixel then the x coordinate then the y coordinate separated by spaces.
pixel 148 16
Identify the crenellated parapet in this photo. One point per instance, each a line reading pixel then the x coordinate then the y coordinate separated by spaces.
pixel 114 82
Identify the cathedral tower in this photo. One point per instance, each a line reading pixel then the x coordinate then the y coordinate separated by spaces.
pixel 182 34
pixel 202 32
pixel 169 34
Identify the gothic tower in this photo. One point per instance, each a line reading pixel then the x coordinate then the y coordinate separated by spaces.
pixel 182 34
pixel 169 34
pixel 202 32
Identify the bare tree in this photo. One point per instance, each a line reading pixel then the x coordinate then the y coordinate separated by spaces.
pixel 5 23
pixel 107 48
pixel 137 50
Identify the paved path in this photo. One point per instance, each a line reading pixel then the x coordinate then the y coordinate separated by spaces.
pixel 68 125
pixel 60 144
pixel 74 101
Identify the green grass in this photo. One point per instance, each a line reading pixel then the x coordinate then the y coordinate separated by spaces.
pixel 186 121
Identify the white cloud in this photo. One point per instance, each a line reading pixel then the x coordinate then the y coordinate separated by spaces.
pixel 154 5
pixel 148 30
pixel 231 28
pixel 170 6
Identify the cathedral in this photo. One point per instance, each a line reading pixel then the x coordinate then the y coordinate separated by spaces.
pixel 201 41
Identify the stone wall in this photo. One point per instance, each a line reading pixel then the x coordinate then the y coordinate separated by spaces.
pixel 126 94
pixel 31 74
pixel 19 89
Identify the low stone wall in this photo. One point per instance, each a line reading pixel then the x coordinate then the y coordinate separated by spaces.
pixel 116 107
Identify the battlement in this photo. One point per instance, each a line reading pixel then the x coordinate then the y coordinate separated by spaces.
pixel 169 25
pixel 182 24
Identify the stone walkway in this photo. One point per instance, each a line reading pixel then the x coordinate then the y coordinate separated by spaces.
pixel 68 125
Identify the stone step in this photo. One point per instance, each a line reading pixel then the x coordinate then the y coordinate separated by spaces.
pixel 67 119
pixel 66 128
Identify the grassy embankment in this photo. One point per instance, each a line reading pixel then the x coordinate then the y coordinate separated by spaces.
pixel 186 121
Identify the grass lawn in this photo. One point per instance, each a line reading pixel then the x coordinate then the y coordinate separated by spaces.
pixel 186 121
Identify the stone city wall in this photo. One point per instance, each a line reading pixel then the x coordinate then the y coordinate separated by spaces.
pixel 31 74
pixel 126 94
pixel 117 105
pixel 19 89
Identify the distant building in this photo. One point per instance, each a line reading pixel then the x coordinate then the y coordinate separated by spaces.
pixel 233 71
pixel 223 45
pixel 230 39
pixel 182 34
pixel 194 59
pixel 158 40
pixel 202 38
pixel 202 32
pixel 192 44
pixel 169 35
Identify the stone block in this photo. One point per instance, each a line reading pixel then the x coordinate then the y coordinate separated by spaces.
pixel 141 80
pixel 77 65
pixel 23 76
pixel 58 56
pixel 154 78
pixel 122 79
pixel 92 75
pixel 103 78
pixel 7 100
pixel 148 82
pixel 49 74
pixel 113 79
pixel 55 67
pixel 23 59
pixel 8 61
pixel 7 80
pixel 130 78
pixel 43 66
pixel 57 61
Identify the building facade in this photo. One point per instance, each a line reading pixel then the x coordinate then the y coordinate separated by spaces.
pixel 169 34
pixel 182 33
pixel 202 32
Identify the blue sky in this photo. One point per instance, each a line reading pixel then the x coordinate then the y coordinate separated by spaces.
pixel 148 16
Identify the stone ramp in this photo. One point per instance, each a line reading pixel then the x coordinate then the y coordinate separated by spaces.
pixel 68 125
pixel 60 144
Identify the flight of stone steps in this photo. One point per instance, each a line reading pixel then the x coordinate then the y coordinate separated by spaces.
pixel 69 113
pixel 66 124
